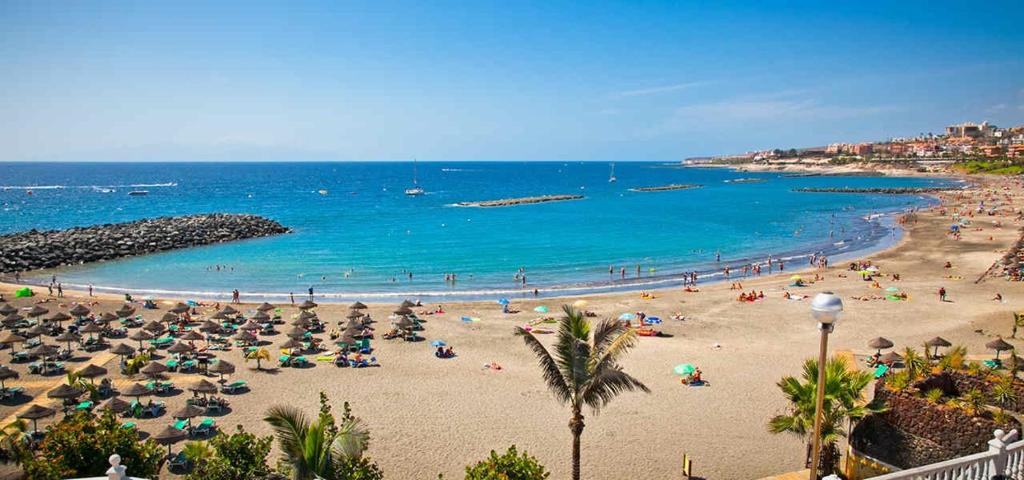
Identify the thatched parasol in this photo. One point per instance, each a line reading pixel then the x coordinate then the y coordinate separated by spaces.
pixel 44 351
pixel 91 328
pixel 408 304
pixel 35 331
pixel 261 317
pixel 7 309
pixel 357 306
pixel 108 317
pixel 188 411
pixel 79 310
pixel 12 319
pixel 250 325
pixel 115 404
pixel 244 336
pixel 6 374
pixel 68 337
pixel 307 305
pixel 137 390
pixel 220 316
pixel 999 345
pixel 153 369
pixel 65 391
pixel 292 343
pixel 11 337
pixel 154 327
pixel 203 386
pixel 180 347
pixel 296 332
pixel 229 310
pixel 265 307
pixel 354 314
pixel 179 309
pixel 403 311
pixel 405 324
pixel 169 318
pixel 879 343
pixel 192 336
pixel 92 371
pixel 59 317
pixel 122 349
pixel 222 368
pixel 125 311
pixel 37 311
pixel 304 315
pixel 35 412
pixel 890 358
pixel 169 436
pixel 210 326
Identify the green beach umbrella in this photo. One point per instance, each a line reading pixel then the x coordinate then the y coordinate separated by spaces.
pixel 541 309
pixel 684 369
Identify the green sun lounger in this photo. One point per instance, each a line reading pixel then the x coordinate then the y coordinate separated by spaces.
pixel 993 364
pixel 205 427
pixel 234 386
pixel 881 370
pixel 86 405
pixel 181 424
pixel 128 425
pixel 172 364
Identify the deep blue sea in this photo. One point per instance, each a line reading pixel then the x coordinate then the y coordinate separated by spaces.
pixel 363 237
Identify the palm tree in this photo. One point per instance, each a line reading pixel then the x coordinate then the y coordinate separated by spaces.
pixel 14 442
pixel 914 362
pixel 1003 394
pixel 584 370
pixel 843 390
pixel 259 354
pixel 312 447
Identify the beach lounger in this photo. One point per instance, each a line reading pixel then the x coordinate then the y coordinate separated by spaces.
pixel 128 425
pixel 881 370
pixel 181 424
pixel 11 392
pixel 86 405
pixel 233 387
pixel 21 356
pixel 172 365
pixel 285 360
pixel 325 358
pixel 993 364
pixel 178 461
pixel 187 366
pixel 206 427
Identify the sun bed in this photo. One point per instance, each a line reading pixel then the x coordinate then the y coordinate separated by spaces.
pixel 181 424
pixel 233 387
pixel 881 370
pixel 128 425
pixel 206 427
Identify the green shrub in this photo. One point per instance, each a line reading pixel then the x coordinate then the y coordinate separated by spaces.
pixel 238 456
pixel 81 445
pixel 898 381
pixel 934 395
pixel 507 466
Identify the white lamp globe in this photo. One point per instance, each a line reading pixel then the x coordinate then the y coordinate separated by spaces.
pixel 826 308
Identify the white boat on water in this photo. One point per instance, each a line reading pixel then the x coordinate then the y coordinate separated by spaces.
pixel 611 177
pixel 415 190
pixel 138 193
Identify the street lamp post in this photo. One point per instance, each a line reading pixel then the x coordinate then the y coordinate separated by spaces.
pixel 825 308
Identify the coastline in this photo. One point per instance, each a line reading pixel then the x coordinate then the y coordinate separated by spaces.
pixel 743 348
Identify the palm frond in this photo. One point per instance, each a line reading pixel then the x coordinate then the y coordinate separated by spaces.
pixel 351 440
pixel 549 368
pixel 607 384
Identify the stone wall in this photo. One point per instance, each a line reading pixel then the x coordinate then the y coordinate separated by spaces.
pixel 34 249
pixel 964 381
pixel 914 432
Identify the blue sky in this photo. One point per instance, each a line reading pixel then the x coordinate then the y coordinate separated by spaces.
pixel 501 80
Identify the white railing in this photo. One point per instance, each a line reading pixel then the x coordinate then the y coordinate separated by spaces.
pixel 1002 459
pixel 116 471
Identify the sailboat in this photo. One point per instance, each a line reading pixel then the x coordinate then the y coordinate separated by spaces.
pixel 415 190
pixel 611 177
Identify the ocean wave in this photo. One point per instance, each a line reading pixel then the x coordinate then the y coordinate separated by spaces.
pixel 93 187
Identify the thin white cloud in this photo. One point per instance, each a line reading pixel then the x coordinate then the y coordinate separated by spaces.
pixel 659 90
pixel 746 109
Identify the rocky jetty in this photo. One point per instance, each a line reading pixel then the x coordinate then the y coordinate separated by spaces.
pixel 34 249
pixel 880 190
pixel 665 188
pixel 508 202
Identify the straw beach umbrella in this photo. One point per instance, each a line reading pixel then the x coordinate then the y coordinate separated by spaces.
pixel 192 336
pixel 152 369
pixel 999 345
pixel 12 320
pixel 179 309
pixel 292 343
pixel 138 391
pixel 222 368
pixel 244 336
pixel 261 317
pixel 357 306
pixel 123 350
pixel 169 436
pixel 10 338
pixel 108 317
pixel 169 318
pixel 936 343
pixel 36 412
pixel 403 311
pixel 65 392
pixel 79 310
pixel 6 374
pixel 307 305
pixel 92 372
pixel 265 307
pixel 35 331
pixel 44 351
pixel 354 314
pixel 37 311
pixel 203 386
pixel 7 309
pixel 408 304
pixel 154 327
pixel 115 404
pixel 250 325
pixel 210 326
pixel 890 358
pixel 188 412
pixel 180 347
pixel 59 318
pixel 68 337
pixel 879 343
pixel 228 311
pixel 296 332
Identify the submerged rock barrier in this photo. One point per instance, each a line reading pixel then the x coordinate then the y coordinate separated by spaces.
pixel 881 190
pixel 665 188
pixel 35 249
pixel 508 202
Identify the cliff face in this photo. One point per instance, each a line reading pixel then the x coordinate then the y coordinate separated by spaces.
pixel 34 249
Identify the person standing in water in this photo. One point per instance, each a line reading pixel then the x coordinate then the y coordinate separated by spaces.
pixel 311 293
pixel 623 273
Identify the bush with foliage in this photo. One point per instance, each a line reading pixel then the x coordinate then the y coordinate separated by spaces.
pixel 934 395
pixel 238 456
pixel 80 446
pixel 507 466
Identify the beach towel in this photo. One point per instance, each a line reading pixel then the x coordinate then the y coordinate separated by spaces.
pixel 881 370
pixel 24 292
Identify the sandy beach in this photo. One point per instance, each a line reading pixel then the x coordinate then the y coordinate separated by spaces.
pixel 429 416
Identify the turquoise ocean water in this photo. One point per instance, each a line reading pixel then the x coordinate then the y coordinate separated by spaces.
pixel 363 237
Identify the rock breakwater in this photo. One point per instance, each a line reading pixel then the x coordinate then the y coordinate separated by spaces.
pixel 508 202
pixel 34 249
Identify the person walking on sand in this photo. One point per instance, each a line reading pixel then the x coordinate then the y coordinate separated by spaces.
pixel 17 277
pixel 942 294
pixel 90 290
pixel 291 296
pixel 50 288
pixel 60 290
